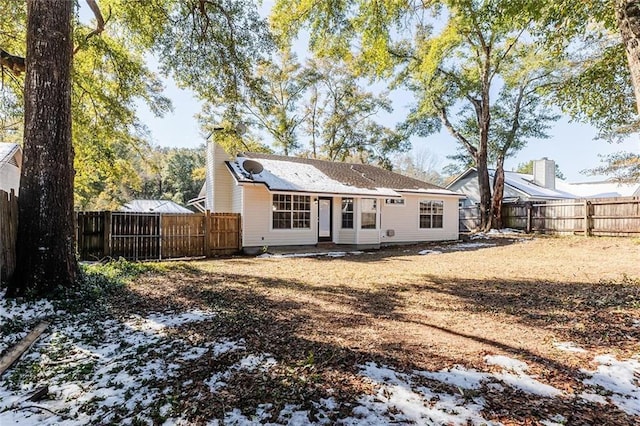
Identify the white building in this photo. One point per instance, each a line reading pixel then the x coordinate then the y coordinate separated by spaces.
pixel 10 165
pixel 290 201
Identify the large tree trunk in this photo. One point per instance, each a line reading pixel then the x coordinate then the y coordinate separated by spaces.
pixel 46 249
pixel 484 188
pixel 498 195
pixel 628 17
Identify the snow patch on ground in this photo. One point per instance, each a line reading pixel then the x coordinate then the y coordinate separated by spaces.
pixel 423 252
pixel 470 246
pixel 514 374
pixel 401 399
pixel 249 363
pixel 620 379
pixel 459 377
pixel 569 347
pixel 98 369
pixel 310 254
pixel 495 232
pixel 158 322
pixel 17 318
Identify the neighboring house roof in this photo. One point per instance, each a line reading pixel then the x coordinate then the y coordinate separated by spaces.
pixel 294 174
pixel 602 189
pixel 7 153
pixel 153 206
pixel 524 184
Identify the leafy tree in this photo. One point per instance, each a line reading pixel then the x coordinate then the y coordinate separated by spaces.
pixel 223 38
pixel 46 249
pixel 454 71
pixel 279 88
pixel 208 46
pixel 109 77
pixel 421 165
pixel 602 85
pixel 170 173
pixel 341 118
pixel 622 166
pixel 323 100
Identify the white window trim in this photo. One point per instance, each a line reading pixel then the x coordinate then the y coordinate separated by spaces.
pixel 443 214
pixel 292 229
pixel 361 212
pixel 353 213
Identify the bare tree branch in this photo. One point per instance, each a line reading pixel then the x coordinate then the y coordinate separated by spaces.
pixel 13 63
pixel 100 23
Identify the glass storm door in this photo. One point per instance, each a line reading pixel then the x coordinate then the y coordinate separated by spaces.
pixel 324 219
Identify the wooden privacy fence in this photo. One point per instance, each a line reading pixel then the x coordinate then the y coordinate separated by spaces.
pixel 8 233
pixel 156 236
pixel 602 217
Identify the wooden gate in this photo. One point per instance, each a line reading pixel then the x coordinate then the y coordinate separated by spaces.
pixel 156 236
pixel 8 233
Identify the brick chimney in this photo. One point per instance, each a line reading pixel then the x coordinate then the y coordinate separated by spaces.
pixel 544 173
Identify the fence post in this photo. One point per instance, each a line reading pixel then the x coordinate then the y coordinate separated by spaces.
pixel 207 233
pixel 79 233
pixel 587 218
pixel 106 233
pixel 529 226
pixel 239 222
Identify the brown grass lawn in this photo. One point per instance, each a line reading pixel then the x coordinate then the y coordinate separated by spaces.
pixel 321 317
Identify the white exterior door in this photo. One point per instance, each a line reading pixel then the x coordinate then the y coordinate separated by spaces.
pixel 324 219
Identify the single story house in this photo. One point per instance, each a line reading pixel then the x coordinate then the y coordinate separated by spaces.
pixel 153 206
pixel 290 201
pixel 542 185
pixel 10 165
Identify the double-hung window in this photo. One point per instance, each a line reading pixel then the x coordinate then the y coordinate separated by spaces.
pixel 347 213
pixel 291 211
pixel 368 215
pixel 431 214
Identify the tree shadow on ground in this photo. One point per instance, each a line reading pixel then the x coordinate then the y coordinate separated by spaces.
pixel 593 315
pixel 313 363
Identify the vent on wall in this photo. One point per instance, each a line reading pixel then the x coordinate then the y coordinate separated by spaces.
pixel 391 233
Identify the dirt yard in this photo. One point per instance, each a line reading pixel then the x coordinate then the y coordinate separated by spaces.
pixel 507 330
pixel 553 303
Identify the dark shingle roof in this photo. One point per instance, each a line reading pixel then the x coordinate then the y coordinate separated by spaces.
pixel 357 175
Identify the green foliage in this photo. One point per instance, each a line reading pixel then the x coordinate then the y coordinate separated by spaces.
pixel 175 174
pixel 341 119
pixel 598 90
pixel 622 166
pixel 208 46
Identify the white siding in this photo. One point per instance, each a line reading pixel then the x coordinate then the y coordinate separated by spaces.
pixel 342 236
pixel 256 222
pixel 236 198
pixel 367 236
pixel 9 178
pixel 404 220
pixel 223 182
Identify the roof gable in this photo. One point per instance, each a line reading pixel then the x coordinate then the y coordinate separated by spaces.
pixel 8 153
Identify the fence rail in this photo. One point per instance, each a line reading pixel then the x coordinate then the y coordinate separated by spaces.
pixel 156 236
pixel 8 233
pixel 603 217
